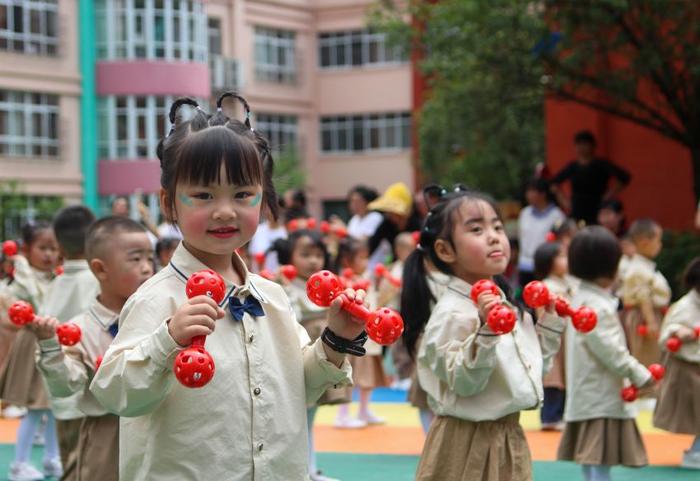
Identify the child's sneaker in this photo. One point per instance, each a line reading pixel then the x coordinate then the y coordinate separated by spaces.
pixel 13 412
pixel 24 472
pixel 349 423
pixel 691 460
pixel 370 418
pixel 53 467
pixel 318 476
pixel 39 439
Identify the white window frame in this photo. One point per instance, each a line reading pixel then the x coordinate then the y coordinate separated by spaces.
pixel 190 15
pixel 33 43
pixel 347 126
pixel 268 65
pixel 386 55
pixel 127 147
pixel 19 109
pixel 281 130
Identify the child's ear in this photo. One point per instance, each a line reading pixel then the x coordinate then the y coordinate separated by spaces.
pixel 99 269
pixel 168 213
pixel 445 252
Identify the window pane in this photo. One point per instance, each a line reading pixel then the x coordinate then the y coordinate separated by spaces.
pixel 357 134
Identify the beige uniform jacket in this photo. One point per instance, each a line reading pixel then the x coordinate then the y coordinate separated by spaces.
pixel 249 422
pixel 68 295
pixel 471 373
pixel 598 364
pixel 685 312
pixel 641 281
pixel 69 370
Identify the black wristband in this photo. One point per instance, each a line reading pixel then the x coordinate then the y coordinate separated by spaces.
pixel 345 346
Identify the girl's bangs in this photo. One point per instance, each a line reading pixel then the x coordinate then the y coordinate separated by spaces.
pixel 202 154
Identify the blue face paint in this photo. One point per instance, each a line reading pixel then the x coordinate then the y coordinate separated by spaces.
pixel 185 200
pixel 256 200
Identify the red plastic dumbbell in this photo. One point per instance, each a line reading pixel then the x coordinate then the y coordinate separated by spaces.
pixel 674 343
pixel 631 393
pixel 501 319
pixel 9 248
pixel 289 272
pixel 194 366
pixel 69 334
pixel 380 271
pixel 311 223
pixel 292 225
pixel 384 326
pixel 347 273
pixel 536 294
pixel 340 232
pixel 59 270
pixel 642 330
pixel 259 259
pixel 270 276
pixel 361 284
pixel 325 227
pixel 21 313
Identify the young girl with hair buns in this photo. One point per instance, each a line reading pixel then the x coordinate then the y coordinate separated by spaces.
pixel 249 421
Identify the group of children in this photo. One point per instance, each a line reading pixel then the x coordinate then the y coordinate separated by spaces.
pixel 113 405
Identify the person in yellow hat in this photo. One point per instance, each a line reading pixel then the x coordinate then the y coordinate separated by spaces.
pixel 396 203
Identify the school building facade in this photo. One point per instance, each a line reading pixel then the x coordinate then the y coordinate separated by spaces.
pixel 85 88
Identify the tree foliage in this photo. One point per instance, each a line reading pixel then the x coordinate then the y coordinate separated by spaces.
pixel 483 121
pixel 490 60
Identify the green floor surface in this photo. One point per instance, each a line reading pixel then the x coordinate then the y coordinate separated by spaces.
pixel 376 467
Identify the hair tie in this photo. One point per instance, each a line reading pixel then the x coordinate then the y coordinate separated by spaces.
pixel 420 248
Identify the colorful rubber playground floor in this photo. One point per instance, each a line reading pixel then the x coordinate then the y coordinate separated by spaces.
pixel 390 452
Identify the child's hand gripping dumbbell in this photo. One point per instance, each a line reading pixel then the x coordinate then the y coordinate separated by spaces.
pixel 21 313
pixel 194 366
pixel 384 326
pixel 536 294
pixel 631 393
pixel 500 318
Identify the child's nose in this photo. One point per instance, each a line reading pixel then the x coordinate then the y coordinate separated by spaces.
pixel 225 211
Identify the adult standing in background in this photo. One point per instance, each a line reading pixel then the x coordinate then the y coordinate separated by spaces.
pixel 534 222
pixel 363 222
pixel 396 205
pixel 590 180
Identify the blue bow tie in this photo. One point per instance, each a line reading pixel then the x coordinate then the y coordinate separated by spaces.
pixel 251 305
pixel 114 329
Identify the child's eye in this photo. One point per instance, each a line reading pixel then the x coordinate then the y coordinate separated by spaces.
pixel 202 196
pixel 476 229
pixel 498 227
pixel 243 195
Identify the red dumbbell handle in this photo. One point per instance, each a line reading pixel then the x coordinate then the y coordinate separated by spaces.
pixel 356 310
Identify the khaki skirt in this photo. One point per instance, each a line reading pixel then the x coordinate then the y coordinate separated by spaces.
pixel 604 441
pixel 644 349
pixel 678 407
pixel 20 381
pixel 459 450
pixel 8 332
pixel 368 372
pixel 98 449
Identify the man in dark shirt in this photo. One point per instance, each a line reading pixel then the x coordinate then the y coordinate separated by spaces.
pixel 590 178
